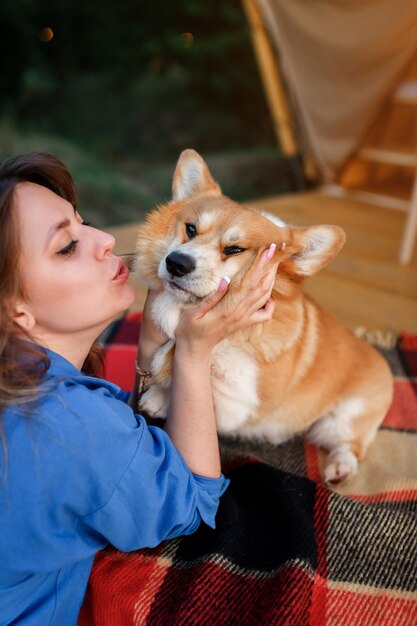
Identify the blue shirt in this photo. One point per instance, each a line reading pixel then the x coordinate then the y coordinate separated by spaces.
pixel 83 471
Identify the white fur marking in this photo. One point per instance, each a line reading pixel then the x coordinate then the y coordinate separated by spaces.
pixel 155 402
pixel 341 464
pixel 204 220
pixel 334 433
pixel 192 173
pixel 232 235
pixel 269 430
pixel 166 312
pixel 234 380
pixel 317 243
pixel 335 428
pixel 273 218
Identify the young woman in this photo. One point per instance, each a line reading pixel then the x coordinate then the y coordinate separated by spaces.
pixel 79 468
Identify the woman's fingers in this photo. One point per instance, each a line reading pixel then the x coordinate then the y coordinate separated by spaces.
pixel 260 281
pixel 215 297
pixel 258 295
pixel 264 314
pixel 259 266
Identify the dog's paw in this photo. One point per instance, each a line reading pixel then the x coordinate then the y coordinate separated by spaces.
pixel 340 465
pixel 154 402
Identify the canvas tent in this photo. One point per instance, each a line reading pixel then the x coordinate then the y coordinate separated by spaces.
pixel 341 82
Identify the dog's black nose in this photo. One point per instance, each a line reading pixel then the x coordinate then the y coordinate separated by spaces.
pixel 179 264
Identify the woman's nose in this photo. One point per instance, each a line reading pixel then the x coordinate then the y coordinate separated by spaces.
pixel 106 243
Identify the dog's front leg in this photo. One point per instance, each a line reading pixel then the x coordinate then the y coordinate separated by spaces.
pixel 155 400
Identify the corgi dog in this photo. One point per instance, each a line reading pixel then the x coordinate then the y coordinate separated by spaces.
pixel 300 372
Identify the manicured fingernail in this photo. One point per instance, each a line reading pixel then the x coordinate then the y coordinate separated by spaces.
pixel 283 245
pixel 271 251
pixel 225 281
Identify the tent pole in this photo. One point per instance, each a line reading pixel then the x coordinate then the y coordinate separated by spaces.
pixel 275 93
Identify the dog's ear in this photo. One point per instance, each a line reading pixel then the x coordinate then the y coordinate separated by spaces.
pixel 192 176
pixel 312 248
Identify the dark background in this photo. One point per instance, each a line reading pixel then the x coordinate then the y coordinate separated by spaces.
pixel 122 87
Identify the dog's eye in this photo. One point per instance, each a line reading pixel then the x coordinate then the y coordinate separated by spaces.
pixel 233 250
pixel 191 230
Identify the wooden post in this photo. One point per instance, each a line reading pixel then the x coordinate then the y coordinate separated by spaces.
pixel 272 80
pixel 275 93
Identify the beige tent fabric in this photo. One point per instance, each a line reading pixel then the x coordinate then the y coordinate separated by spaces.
pixel 342 59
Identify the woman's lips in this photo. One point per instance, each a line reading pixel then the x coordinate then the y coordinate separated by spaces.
pixel 122 272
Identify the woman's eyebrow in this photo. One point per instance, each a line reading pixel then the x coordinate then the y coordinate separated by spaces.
pixel 55 228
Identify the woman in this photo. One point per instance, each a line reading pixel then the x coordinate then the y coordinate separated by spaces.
pixel 80 469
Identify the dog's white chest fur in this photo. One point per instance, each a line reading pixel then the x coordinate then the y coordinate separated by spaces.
pixel 166 312
pixel 234 382
pixel 234 374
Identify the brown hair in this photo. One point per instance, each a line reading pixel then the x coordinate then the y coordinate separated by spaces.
pixel 23 363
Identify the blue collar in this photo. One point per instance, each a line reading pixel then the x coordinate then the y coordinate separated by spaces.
pixel 60 366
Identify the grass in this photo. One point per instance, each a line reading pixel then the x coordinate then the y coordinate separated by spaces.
pixel 122 192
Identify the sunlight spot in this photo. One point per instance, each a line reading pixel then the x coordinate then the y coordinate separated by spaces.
pixel 46 34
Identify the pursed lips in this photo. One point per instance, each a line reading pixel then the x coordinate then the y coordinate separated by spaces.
pixel 121 270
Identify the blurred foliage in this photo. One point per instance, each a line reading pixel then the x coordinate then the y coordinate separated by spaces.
pixel 133 78
pixel 106 194
pixel 110 194
pixel 117 89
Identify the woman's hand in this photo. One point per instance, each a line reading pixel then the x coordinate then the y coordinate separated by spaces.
pixel 202 327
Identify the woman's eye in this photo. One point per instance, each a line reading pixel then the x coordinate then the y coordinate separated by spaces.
pixel 191 231
pixel 233 250
pixel 69 249
pixel 84 223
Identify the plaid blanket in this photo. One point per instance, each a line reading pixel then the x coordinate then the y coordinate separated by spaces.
pixel 286 550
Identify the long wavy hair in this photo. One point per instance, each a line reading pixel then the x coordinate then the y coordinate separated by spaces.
pixel 22 363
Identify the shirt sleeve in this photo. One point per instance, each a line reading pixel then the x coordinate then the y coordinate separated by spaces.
pixel 128 483
pixel 157 497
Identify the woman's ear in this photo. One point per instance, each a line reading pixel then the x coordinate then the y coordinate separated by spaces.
pixel 22 316
pixel 192 176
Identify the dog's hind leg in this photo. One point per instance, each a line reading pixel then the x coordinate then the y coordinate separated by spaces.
pixel 345 433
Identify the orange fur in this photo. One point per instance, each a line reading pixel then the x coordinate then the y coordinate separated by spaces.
pixel 310 371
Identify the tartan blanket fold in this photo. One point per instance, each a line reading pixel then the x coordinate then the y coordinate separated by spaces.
pixel 286 549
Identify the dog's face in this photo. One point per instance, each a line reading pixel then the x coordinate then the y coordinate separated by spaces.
pixel 190 243
pixel 207 238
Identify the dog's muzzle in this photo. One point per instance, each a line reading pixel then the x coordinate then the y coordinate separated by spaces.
pixel 179 264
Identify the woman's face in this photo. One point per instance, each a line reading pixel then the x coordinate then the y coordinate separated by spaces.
pixel 72 281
